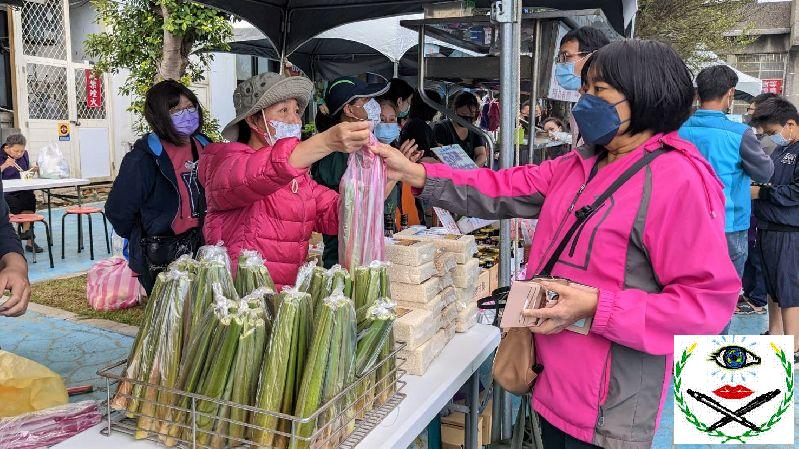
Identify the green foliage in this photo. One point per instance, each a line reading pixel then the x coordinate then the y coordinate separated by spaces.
pixel 134 40
pixel 691 26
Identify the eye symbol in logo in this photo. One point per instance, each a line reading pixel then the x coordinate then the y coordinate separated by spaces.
pixel 734 357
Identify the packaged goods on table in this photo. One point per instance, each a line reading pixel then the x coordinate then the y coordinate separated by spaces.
pixel 423 292
pixel 466 275
pixel 463 247
pixel 445 262
pixel 446 281
pixel 411 275
pixel 415 327
pixel 417 360
pixel 466 295
pixel 466 318
pixel 435 305
pixel 409 253
pixel 449 295
pixel 449 315
pixel 449 332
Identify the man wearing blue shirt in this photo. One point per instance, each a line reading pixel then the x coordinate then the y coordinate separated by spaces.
pixel 732 149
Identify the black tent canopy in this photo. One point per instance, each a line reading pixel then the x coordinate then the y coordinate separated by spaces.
pixel 288 24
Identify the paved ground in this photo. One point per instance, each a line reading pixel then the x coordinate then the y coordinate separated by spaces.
pixel 73 262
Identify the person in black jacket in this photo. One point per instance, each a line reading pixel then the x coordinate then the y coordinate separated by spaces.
pixel 777 212
pixel 157 202
pixel 13 267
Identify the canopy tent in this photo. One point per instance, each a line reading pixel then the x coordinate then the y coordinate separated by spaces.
pixel 748 86
pixel 377 46
pixel 288 24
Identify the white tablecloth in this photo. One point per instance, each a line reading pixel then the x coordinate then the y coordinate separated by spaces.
pixel 15 185
pixel 427 395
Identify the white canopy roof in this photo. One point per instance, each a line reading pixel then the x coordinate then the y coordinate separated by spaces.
pixel 384 34
pixel 746 83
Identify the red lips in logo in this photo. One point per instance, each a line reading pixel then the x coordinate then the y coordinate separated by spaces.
pixel 730 392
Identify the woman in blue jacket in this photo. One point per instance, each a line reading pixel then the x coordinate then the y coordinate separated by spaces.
pixel 157 202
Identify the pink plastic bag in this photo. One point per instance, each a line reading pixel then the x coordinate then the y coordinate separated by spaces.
pixel 362 194
pixel 48 427
pixel 110 285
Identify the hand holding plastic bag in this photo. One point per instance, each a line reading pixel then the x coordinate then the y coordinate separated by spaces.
pixel 27 386
pixel 52 163
pixel 362 191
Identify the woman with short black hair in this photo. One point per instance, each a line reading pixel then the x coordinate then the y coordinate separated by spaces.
pixel 157 202
pixel 634 219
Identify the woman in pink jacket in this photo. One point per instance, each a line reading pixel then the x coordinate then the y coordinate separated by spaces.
pixel 259 193
pixel 653 253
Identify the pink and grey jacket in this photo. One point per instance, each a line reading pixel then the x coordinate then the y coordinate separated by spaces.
pixel 657 253
pixel 258 201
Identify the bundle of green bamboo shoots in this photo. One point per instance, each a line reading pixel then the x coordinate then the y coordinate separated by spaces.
pixel 253 274
pixel 309 351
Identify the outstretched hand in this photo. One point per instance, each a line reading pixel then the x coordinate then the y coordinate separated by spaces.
pixel 399 167
pixel 347 137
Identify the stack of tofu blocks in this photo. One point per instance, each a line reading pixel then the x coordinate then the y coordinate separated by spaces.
pixel 433 282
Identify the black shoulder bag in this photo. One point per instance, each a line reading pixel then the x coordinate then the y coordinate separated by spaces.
pixel 499 297
pixel 160 251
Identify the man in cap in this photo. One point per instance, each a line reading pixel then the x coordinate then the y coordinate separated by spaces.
pixel 348 99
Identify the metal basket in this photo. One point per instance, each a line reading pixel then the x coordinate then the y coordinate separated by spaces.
pixel 342 422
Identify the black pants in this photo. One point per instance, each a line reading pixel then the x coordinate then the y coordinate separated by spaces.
pixel 554 438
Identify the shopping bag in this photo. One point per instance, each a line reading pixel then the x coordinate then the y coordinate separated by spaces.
pixel 48 427
pixel 362 194
pixel 27 386
pixel 52 163
pixel 110 285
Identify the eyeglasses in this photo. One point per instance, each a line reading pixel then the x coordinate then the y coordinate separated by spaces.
pixel 179 112
pixel 565 56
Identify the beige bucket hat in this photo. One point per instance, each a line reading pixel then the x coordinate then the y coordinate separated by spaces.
pixel 262 91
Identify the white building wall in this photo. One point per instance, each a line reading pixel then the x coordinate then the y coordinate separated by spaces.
pixel 222 83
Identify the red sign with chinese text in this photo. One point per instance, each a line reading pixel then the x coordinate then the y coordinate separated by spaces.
pixel 773 86
pixel 94 90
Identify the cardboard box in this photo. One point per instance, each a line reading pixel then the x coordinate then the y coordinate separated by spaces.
pixel 482 288
pixel 453 428
pixel 493 278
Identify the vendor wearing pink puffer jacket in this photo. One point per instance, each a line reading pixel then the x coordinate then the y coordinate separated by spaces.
pixel 260 195
pixel 258 188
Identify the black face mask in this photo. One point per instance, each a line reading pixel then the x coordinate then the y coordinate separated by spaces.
pixel 468 118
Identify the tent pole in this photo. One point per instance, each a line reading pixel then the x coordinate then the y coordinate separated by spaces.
pixel 534 94
pixel 396 69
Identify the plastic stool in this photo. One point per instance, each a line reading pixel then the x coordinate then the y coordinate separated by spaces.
pixel 20 219
pixel 80 211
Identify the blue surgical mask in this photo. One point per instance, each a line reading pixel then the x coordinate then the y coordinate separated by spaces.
pixel 186 121
pixel 597 119
pixel 564 73
pixel 387 132
pixel 779 140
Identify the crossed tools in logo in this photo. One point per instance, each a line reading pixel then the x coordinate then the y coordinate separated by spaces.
pixel 730 415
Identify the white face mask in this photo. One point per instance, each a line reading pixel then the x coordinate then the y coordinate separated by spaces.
pixel 282 130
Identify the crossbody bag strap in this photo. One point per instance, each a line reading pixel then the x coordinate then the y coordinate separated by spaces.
pixel 584 213
pixel 195 154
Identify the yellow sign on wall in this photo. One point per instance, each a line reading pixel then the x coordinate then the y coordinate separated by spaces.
pixel 63 131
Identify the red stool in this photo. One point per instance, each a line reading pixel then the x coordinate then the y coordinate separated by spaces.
pixel 20 219
pixel 80 211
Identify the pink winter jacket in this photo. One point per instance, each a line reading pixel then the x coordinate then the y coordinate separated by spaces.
pixel 257 201
pixel 657 253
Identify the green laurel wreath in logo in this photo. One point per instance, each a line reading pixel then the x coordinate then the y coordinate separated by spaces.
pixel 787 400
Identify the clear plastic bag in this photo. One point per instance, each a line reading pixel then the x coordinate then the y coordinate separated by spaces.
pixel 52 162
pixel 362 189
pixel 48 427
